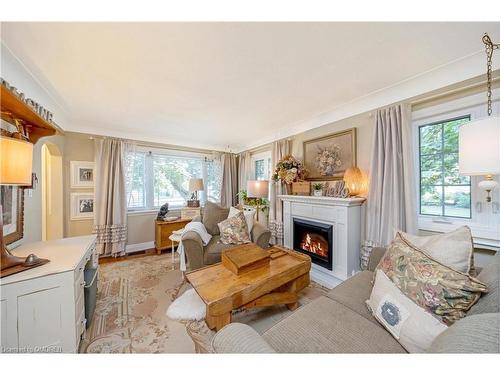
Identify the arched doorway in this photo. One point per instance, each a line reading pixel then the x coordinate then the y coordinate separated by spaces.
pixel 52 192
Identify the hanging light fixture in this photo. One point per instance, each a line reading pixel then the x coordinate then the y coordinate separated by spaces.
pixel 479 140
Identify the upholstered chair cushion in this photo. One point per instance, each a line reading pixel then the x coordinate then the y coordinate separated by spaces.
pixel 473 334
pixel 489 302
pixel 213 214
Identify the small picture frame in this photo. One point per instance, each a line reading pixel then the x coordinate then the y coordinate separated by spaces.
pixel 82 174
pixel 82 206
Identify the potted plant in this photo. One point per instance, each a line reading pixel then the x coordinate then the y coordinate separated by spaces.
pixel 289 170
pixel 317 189
pixel 262 203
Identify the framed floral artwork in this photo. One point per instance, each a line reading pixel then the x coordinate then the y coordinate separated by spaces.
pixel 328 157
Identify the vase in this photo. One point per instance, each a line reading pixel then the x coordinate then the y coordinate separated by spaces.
pixel 317 193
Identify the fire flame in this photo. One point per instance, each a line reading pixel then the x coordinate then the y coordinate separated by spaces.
pixel 313 246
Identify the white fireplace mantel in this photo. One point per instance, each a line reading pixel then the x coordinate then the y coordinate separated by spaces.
pixel 344 214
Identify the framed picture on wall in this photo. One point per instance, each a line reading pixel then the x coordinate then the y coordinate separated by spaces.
pixel 12 200
pixel 82 206
pixel 328 157
pixel 82 174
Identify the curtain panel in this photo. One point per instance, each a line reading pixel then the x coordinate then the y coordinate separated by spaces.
pixel 229 188
pixel 244 169
pixel 392 196
pixel 110 217
pixel 279 149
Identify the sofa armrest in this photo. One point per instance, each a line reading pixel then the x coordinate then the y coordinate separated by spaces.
pixel 193 248
pixel 375 257
pixel 261 235
pixel 239 338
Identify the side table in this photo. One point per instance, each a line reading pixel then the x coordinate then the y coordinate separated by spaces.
pixel 163 230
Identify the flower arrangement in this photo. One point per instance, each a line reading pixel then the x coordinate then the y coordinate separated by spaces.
pixel 289 170
pixel 328 160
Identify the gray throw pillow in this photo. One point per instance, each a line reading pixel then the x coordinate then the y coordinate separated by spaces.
pixel 472 334
pixel 489 302
pixel 213 214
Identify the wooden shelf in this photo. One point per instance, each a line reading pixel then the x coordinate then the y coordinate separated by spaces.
pixel 11 104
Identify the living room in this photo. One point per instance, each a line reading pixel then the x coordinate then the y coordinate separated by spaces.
pixel 249 187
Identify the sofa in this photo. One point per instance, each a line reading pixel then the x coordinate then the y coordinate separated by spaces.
pixel 340 322
pixel 198 255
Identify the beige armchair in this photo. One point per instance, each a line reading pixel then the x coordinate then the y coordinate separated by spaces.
pixel 198 255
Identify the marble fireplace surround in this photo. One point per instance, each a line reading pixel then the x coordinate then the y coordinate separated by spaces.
pixel 344 214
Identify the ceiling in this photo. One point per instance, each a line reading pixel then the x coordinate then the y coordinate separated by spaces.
pixel 220 85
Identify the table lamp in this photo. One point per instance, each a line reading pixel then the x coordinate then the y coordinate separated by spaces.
pixel 479 140
pixel 16 156
pixel 258 189
pixel 195 185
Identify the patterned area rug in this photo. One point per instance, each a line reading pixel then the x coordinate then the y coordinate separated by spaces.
pixel 133 297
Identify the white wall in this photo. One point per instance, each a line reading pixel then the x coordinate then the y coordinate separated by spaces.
pixel 13 71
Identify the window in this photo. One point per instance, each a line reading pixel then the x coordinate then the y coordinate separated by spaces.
pixel 443 192
pixel 262 166
pixel 155 178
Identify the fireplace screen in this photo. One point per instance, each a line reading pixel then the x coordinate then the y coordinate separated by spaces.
pixel 315 240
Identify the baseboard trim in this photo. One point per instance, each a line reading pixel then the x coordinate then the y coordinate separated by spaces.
pixel 132 248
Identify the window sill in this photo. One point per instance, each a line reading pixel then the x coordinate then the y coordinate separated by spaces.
pixel 176 210
pixel 484 237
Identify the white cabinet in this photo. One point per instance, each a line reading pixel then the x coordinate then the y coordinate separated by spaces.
pixel 42 309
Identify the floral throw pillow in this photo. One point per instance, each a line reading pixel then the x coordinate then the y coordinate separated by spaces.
pixel 234 230
pixel 443 292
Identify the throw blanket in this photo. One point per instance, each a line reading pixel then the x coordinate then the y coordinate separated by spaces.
pixel 192 227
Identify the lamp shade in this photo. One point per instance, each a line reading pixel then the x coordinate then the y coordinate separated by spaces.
pixel 353 179
pixel 257 189
pixel 479 147
pixel 16 158
pixel 196 184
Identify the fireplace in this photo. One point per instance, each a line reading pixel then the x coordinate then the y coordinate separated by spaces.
pixel 315 240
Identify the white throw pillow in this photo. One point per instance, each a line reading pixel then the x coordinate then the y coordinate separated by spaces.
pixel 249 217
pixel 410 324
pixel 453 249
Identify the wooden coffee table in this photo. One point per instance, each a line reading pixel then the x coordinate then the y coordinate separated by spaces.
pixel 276 283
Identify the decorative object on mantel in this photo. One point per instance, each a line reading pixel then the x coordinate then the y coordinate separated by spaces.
pixel 337 189
pixel 195 185
pixel 317 189
pixel 301 188
pixel 479 140
pixel 289 170
pixel 328 157
pixel 16 153
pixel 353 179
pixel 163 212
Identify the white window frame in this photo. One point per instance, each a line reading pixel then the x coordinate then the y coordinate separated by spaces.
pixel 484 225
pixel 264 155
pixel 149 176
